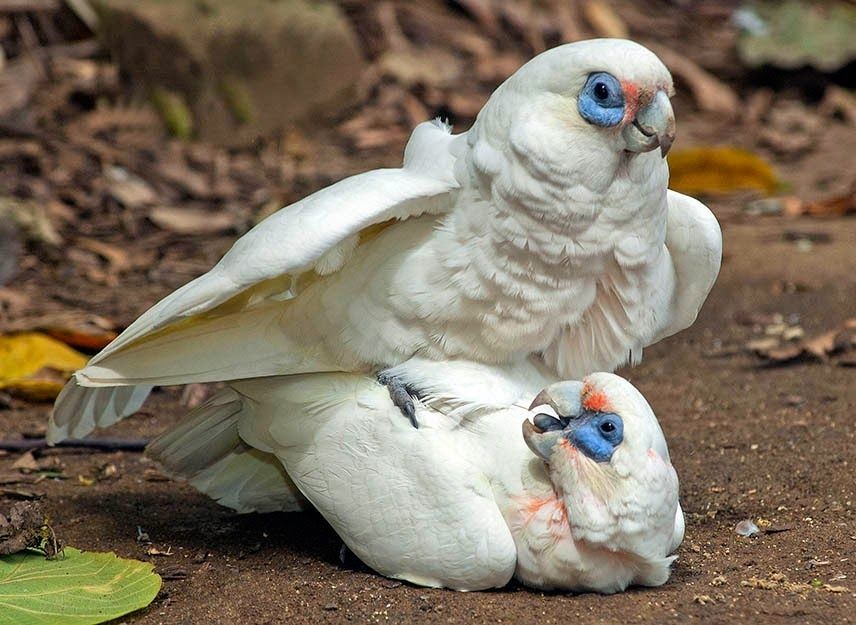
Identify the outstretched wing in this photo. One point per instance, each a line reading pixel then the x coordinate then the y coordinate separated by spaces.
pixel 694 241
pixel 79 409
pixel 317 234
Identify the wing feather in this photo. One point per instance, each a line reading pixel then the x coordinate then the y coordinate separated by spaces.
pixel 206 450
pixel 299 237
pixel 694 241
pixel 79 410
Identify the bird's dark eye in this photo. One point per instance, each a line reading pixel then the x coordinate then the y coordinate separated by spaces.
pixel 607 427
pixel 601 101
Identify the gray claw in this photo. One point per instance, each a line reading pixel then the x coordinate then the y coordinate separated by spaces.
pixel 401 397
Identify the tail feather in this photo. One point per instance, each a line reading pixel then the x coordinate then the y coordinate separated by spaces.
pixel 79 410
pixel 206 450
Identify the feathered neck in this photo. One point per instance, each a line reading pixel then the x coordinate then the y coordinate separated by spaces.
pixel 593 534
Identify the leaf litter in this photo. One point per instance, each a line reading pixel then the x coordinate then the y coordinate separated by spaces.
pixel 834 346
pixel 35 366
pixel 43 581
pixel 25 526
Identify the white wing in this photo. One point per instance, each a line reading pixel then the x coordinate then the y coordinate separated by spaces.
pixel 79 410
pixel 634 310
pixel 458 388
pixel 407 502
pixel 317 233
pixel 694 241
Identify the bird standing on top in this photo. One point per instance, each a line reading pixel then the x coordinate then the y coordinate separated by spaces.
pixel 546 229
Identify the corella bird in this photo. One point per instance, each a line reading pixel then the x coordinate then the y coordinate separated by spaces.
pixel 547 229
pixel 462 502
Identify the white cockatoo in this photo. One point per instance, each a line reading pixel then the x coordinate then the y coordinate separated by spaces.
pixel 462 502
pixel 547 228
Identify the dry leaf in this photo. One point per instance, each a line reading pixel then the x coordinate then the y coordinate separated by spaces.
pixel 604 20
pixel 823 347
pixel 129 190
pixel 32 218
pixel 73 327
pixel 26 463
pixel 190 220
pixel 718 170
pixel 837 206
pixel 35 366
pixel 116 257
pixel 710 93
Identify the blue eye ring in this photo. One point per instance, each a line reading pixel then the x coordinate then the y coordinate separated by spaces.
pixel 601 101
pixel 596 434
pixel 611 428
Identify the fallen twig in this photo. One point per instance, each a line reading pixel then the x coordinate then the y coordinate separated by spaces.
pixel 28 6
pixel 98 444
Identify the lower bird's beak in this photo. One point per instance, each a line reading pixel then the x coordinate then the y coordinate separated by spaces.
pixel 654 126
pixel 563 397
pixel 544 431
pixel 539 441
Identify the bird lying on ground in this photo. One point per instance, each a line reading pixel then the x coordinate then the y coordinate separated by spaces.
pixel 585 500
pixel 546 229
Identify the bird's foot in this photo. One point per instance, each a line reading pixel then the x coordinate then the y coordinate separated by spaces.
pixel 401 396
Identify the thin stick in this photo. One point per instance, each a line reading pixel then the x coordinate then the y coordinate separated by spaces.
pixel 97 444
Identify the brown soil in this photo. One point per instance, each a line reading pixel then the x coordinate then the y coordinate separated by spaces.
pixel 749 442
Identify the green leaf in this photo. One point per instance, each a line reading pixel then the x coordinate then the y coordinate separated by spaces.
pixel 83 588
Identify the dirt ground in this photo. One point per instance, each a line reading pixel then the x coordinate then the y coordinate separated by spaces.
pixel 773 444
pixel 748 442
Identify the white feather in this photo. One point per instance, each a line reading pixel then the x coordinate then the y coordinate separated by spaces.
pixel 460 502
pixel 206 450
pixel 533 233
pixel 79 410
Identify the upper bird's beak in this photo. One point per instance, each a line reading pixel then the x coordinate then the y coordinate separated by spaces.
pixel 654 126
pixel 544 431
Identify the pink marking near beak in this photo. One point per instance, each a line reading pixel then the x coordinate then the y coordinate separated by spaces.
pixel 631 100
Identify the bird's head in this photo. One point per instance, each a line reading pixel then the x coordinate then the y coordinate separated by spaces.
pixel 601 92
pixel 607 459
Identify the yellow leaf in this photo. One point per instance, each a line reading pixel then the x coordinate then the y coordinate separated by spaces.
pixel 719 170
pixel 35 366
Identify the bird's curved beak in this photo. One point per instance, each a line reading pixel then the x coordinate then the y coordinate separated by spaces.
pixel 543 432
pixel 654 126
pixel 563 397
